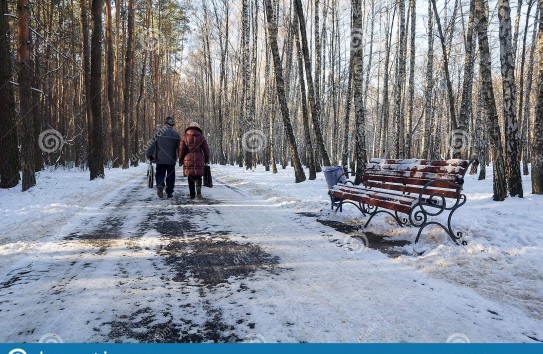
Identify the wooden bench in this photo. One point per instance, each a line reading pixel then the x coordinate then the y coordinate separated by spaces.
pixel 419 189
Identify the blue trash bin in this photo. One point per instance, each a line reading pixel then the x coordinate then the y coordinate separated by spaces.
pixel 333 175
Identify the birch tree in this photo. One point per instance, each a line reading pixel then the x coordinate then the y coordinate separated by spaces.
pixel 280 87
pixel 500 181
pixel 358 77
pixel 509 100
pixel 314 101
pixel 537 143
pixel 429 110
pixel 460 147
pixel 398 120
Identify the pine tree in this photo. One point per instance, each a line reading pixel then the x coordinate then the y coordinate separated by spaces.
pixel 96 142
pixel 25 94
pixel 9 158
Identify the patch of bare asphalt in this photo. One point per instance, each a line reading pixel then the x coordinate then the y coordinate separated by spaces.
pixel 201 257
pixel 387 245
pixel 144 326
pixel 109 230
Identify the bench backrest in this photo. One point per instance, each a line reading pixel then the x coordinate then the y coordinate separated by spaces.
pixel 411 175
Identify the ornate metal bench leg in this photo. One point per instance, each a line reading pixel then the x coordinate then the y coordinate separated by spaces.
pixel 448 231
pixel 419 218
pixel 401 221
pixel 377 211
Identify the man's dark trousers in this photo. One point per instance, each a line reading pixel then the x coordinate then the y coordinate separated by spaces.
pixel 165 172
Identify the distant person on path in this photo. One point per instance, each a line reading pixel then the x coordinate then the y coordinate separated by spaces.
pixel 164 153
pixel 193 156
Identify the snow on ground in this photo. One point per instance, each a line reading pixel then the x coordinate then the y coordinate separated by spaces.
pixel 60 199
pixel 503 260
pixel 256 260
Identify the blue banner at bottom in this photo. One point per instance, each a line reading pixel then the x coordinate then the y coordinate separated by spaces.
pixel 251 348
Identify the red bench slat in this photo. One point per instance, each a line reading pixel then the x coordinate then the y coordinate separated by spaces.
pixel 452 162
pixel 451 170
pixel 448 193
pixel 375 202
pixel 381 195
pixel 404 180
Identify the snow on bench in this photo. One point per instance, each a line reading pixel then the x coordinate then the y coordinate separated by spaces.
pixel 420 189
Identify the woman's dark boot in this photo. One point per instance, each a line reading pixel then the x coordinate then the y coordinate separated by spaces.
pixel 199 188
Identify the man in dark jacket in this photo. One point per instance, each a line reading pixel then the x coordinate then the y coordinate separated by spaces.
pixel 164 153
pixel 193 156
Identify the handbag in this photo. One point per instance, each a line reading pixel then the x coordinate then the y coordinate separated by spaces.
pixel 208 180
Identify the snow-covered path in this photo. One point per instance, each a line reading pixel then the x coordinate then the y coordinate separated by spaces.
pixel 231 267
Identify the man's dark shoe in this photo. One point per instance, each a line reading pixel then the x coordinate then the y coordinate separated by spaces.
pixel 160 191
pixel 170 195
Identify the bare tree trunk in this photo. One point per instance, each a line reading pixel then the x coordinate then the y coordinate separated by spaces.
pixel 459 137
pixel 246 72
pixel 358 80
pixel 348 101
pixel 127 94
pixel 223 43
pixel 429 111
pixel 251 103
pixel 526 127
pixel 305 110
pixel 481 141
pixel 280 86
pixel 517 25
pixel 398 120
pixel 409 123
pixel 446 67
pixel 386 109
pixel 500 182
pixel 25 94
pixel 96 145
pixel 111 84
pixel 537 143
pixel 318 52
pixel 523 120
pixel 314 101
pixel 9 159
pixel 512 153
